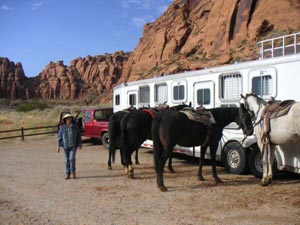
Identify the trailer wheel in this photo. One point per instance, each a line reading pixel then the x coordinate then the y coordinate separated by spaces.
pixel 235 158
pixel 105 140
pixel 256 163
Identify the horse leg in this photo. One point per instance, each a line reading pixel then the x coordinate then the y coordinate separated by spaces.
pixel 213 151
pixel 201 162
pixel 270 164
pixel 137 157
pixel 160 158
pixel 265 153
pixel 160 171
pixel 110 152
pixel 170 167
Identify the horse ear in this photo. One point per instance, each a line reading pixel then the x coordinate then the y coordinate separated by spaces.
pixel 242 96
pixel 190 104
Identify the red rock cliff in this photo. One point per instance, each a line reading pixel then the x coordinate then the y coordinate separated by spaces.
pixel 193 34
pixel 12 80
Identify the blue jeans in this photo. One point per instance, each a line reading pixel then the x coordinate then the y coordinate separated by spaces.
pixel 70 160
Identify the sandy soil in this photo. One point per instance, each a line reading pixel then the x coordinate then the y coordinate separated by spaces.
pixel 33 191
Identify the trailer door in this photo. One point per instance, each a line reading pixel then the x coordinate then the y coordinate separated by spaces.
pixel 204 94
pixel 132 99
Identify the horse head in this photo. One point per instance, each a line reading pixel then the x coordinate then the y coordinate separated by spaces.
pixel 245 122
pixel 253 103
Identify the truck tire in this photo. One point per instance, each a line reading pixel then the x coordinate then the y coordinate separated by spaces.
pixel 235 158
pixel 105 140
pixel 256 163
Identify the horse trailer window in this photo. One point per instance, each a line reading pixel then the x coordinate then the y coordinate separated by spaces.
pixel 203 96
pixel 161 93
pixel 88 117
pixel 132 99
pixel 262 85
pixel 144 95
pixel 231 86
pixel 178 92
pixel 117 100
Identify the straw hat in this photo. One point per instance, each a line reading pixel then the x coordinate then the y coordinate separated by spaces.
pixel 68 115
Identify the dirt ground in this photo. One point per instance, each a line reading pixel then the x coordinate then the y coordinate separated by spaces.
pixel 33 191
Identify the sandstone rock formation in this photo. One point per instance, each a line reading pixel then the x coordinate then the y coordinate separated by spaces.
pixel 190 35
pixel 193 34
pixel 90 75
pixel 12 80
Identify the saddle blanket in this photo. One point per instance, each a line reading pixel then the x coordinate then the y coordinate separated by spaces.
pixel 202 116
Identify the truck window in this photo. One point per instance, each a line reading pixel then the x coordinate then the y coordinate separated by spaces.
pixel 88 117
pixel 103 114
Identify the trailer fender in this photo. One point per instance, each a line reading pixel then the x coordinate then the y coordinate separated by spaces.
pixel 250 140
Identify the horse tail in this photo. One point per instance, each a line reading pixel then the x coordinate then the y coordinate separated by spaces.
pixel 157 146
pixel 124 149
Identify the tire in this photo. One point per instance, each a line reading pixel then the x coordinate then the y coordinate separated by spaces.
pixel 256 164
pixel 235 158
pixel 105 140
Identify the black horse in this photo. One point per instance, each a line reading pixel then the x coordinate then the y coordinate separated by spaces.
pixel 136 128
pixel 173 127
pixel 114 127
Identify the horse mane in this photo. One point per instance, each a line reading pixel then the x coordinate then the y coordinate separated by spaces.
pixel 259 99
pixel 222 114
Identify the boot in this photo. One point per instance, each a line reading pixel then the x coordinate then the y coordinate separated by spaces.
pixel 73 175
pixel 67 177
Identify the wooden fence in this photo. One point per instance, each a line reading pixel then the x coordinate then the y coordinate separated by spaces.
pixel 22 132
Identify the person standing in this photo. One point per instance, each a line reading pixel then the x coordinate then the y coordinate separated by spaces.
pixel 69 138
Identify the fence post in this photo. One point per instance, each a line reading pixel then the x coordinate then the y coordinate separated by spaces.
pixel 22 133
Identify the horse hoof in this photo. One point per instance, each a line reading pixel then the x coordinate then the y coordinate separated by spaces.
pixel 219 181
pixel 162 188
pixel 137 163
pixel 109 168
pixel 171 171
pixel 130 175
pixel 265 183
pixel 200 178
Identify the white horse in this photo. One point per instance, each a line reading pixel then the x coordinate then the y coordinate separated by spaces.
pixel 283 130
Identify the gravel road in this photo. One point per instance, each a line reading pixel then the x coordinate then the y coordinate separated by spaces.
pixel 33 191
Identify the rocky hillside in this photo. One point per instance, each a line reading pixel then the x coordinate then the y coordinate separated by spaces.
pixel 193 34
pixel 190 35
pixel 13 83
pixel 86 78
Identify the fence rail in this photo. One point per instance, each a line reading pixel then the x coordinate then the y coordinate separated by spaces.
pixel 22 131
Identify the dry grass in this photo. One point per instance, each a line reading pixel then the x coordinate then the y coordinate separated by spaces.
pixel 10 119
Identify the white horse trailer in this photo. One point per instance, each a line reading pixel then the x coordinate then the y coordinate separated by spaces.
pixel 271 76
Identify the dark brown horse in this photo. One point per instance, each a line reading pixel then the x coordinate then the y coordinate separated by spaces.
pixel 114 127
pixel 173 127
pixel 135 129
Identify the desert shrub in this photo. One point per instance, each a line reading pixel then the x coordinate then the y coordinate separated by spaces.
pixel 32 105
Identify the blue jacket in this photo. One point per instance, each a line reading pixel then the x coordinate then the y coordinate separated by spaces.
pixel 62 136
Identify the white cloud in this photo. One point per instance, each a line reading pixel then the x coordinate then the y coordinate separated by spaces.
pixel 5 7
pixel 37 5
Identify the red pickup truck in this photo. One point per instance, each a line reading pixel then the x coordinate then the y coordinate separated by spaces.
pixel 93 123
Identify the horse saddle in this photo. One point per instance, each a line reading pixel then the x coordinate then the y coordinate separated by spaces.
pixel 275 109
pixel 200 115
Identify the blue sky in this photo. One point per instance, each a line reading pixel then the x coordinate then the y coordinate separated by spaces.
pixel 35 32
